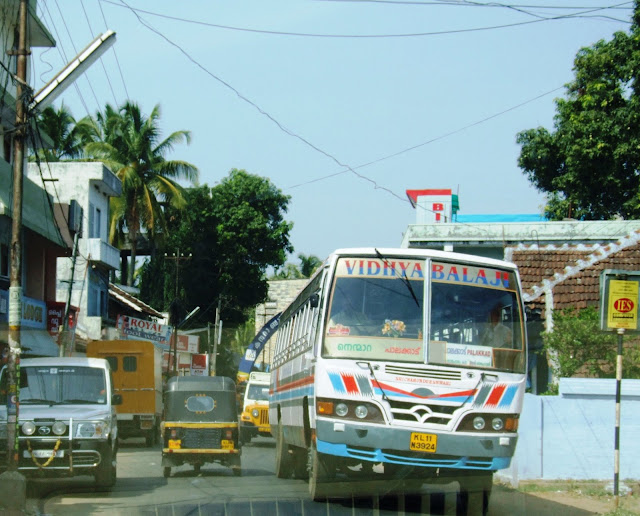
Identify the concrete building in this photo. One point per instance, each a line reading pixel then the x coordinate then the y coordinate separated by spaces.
pixel 82 191
pixel 41 242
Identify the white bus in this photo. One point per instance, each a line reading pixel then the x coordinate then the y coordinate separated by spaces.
pixel 400 364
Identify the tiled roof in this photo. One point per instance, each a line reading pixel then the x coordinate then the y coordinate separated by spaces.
pixel 122 296
pixel 572 272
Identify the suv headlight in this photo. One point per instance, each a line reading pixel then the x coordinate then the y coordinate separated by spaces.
pixel 91 429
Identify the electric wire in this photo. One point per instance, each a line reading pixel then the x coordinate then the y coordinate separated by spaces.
pixel 441 137
pixel 115 54
pixel 76 52
pixel 101 61
pixel 581 14
pixel 65 59
pixel 265 113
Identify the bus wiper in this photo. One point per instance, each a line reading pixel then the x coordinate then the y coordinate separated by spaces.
pixel 78 400
pixel 403 277
pixel 367 365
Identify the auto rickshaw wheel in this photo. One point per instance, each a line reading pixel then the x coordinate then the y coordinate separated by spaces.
pixel 167 471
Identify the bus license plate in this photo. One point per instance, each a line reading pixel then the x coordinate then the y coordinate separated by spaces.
pixel 423 442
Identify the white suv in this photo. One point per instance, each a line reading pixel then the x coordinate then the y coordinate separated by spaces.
pixel 67 421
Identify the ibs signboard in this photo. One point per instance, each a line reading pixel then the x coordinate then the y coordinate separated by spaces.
pixel 619 300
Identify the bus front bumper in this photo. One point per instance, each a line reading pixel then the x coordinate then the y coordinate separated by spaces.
pixel 463 450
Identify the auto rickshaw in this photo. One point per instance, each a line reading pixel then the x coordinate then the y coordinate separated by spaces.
pixel 200 423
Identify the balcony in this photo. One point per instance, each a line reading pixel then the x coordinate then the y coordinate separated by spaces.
pixel 103 253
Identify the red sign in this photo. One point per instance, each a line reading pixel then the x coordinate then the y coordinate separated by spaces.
pixel 55 317
pixel 623 305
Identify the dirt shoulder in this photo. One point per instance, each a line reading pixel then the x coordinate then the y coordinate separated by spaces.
pixel 595 497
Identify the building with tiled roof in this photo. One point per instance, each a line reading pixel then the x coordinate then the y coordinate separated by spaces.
pixel 560 262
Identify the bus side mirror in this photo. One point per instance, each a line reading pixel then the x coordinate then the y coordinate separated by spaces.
pixel 116 399
pixel 314 300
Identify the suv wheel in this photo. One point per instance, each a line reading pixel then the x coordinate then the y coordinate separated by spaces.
pixel 106 473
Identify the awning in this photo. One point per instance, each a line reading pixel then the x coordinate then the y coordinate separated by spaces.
pixel 37 343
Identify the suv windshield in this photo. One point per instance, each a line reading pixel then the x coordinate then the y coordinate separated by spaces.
pixel 57 385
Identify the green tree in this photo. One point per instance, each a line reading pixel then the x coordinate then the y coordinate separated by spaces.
pixel 308 264
pixel 287 271
pixel 129 143
pixel 234 232
pixel 66 136
pixel 588 165
pixel 577 345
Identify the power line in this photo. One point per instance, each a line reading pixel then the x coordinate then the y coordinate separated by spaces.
pixel 64 57
pixel 379 36
pixel 263 112
pixel 76 52
pixel 101 61
pixel 115 54
pixel 441 137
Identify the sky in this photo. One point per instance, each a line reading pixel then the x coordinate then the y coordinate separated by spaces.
pixel 343 105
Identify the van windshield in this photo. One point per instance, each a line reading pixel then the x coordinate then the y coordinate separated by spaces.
pixel 257 392
pixel 59 385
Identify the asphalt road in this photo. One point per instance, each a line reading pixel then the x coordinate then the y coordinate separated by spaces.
pixel 141 489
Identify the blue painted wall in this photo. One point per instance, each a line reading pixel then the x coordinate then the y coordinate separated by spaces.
pixel 571 436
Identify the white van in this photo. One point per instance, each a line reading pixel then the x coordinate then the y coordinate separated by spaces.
pixel 67 422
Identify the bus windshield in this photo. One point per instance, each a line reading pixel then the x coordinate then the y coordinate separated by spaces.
pixel 377 309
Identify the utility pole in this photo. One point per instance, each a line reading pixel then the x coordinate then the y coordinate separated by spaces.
pixel 14 481
pixel 174 312
pixel 216 338
pixel 65 321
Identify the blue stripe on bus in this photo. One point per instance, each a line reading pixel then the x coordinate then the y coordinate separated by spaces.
pixel 293 393
pixel 508 396
pixel 336 381
pixel 377 455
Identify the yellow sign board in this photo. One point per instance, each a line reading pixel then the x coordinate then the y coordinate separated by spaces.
pixel 623 305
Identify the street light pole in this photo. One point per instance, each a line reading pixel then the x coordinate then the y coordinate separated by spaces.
pixel 177 257
pixel 13 485
pixel 15 285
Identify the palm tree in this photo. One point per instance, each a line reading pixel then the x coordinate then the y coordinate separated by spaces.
pixel 308 264
pixel 129 144
pixel 61 127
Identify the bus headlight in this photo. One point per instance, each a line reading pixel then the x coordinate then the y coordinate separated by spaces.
pixel 361 412
pixel 478 423
pixel 342 409
pixel 490 423
pixel 350 409
pixel 28 428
